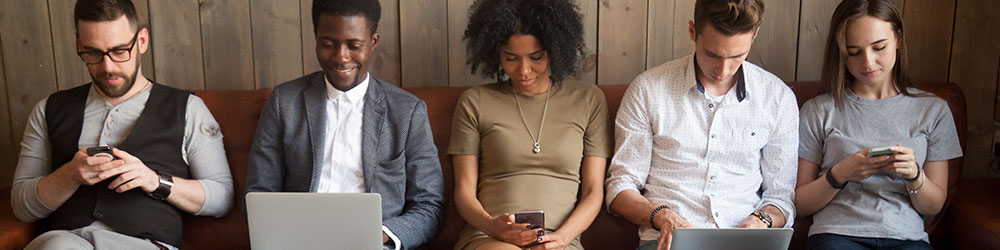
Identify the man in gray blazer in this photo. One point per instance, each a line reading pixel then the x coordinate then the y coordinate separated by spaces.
pixel 342 130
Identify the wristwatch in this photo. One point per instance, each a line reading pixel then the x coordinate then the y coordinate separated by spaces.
pixel 832 181
pixel 760 214
pixel 166 183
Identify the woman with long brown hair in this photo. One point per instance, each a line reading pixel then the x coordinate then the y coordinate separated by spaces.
pixel 873 148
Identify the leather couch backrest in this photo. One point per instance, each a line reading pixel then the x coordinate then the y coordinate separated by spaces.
pixel 238 111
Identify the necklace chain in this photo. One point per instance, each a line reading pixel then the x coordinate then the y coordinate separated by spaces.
pixel 537 147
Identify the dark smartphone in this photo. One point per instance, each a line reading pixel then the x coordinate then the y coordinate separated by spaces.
pixel 534 218
pixel 101 151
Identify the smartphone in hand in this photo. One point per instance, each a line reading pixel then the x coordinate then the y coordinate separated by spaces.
pixel 535 219
pixel 104 151
pixel 879 152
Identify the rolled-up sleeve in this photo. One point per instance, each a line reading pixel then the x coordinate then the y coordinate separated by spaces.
pixel 779 159
pixel 633 145
pixel 206 158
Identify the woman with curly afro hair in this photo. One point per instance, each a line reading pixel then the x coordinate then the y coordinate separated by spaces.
pixel 508 151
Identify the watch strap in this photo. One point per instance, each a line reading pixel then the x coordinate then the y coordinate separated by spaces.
pixel 833 182
pixel 166 183
pixel 760 214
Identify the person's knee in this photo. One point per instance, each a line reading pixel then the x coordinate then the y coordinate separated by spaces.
pixel 831 242
pixel 497 245
pixel 916 245
pixel 59 239
pixel 649 245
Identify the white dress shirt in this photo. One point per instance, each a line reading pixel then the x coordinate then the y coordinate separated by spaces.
pixel 342 172
pixel 712 164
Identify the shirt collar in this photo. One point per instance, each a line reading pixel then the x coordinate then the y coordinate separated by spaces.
pixel 354 95
pixel 741 88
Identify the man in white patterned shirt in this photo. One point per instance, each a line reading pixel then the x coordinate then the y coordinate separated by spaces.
pixel 708 140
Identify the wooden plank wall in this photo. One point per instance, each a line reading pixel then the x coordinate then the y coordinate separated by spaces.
pixel 244 44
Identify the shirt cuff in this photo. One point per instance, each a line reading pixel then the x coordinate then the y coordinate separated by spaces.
pixel 33 208
pixel 613 191
pixel 216 199
pixel 393 240
pixel 788 214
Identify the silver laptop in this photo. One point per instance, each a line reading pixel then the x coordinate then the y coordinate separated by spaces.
pixel 314 220
pixel 731 238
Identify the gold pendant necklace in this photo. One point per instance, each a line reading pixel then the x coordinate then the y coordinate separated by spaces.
pixel 536 147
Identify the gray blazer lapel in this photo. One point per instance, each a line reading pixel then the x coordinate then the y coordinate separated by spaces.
pixel 315 102
pixel 372 123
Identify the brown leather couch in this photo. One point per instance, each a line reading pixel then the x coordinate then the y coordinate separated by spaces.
pixel 238 111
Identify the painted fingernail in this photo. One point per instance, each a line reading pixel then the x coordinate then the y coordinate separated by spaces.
pixel 539 239
pixel 528 226
pixel 540 233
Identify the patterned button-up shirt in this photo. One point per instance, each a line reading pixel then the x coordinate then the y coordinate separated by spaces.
pixel 711 163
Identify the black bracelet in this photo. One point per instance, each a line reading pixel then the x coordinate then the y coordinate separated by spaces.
pixel 653 215
pixel 832 181
pixel 914 177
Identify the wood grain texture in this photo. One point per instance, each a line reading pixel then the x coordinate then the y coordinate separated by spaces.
pixel 310 63
pixel 928 27
pixel 814 27
pixel 178 44
pixel 660 30
pixel 458 19
pixel 588 67
pixel 8 149
pixel 277 42
pixel 774 49
pixel 424 42
pixel 29 65
pixel 142 11
pixel 386 55
pixel 974 68
pixel 70 70
pixel 683 14
pixel 622 50
pixel 228 51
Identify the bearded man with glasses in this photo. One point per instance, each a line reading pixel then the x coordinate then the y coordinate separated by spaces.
pixel 112 164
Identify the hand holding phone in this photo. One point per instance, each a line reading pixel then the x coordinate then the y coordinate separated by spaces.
pixel 535 220
pixel 104 151
pixel 879 151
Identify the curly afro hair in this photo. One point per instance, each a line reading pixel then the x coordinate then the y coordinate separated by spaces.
pixel 555 23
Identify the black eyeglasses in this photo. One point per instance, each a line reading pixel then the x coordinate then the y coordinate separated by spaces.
pixel 116 55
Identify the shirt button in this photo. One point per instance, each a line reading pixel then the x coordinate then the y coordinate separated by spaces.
pixel 712 177
pixel 716 214
pixel 711 105
pixel 713 136
pixel 98 215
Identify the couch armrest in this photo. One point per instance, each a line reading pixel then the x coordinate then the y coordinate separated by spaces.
pixel 972 222
pixel 14 234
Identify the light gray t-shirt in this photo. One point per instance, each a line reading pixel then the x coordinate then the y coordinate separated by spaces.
pixel 879 206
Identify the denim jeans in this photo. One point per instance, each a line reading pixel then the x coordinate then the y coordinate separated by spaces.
pixel 836 241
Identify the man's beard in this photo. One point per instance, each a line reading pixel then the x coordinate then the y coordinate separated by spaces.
pixel 112 91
